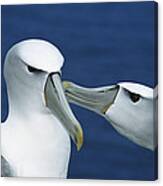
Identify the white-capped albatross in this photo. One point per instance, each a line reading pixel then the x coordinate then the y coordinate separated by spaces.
pixel 131 108
pixel 35 136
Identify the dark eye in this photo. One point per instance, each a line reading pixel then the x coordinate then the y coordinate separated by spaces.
pixel 134 97
pixel 32 69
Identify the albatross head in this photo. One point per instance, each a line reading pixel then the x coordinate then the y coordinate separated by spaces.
pixel 129 107
pixel 33 75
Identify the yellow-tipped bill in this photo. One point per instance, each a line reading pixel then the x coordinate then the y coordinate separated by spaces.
pixel 57 102
pixel 98 100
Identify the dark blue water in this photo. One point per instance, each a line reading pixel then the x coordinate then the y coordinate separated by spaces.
pixel 102 44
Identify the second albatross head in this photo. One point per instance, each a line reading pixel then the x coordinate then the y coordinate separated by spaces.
pixel 129 107
pixel 33 75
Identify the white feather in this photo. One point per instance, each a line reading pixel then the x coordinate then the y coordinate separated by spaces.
pixel 33 140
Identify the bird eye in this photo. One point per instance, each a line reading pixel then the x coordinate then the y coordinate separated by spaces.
pixel 32 69
pixel 134 97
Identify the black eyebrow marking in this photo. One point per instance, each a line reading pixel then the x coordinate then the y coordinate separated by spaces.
pixel 33 70
pixel 30 68
pixel 133 96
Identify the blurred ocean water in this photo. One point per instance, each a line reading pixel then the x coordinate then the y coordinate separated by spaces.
pixel 103 43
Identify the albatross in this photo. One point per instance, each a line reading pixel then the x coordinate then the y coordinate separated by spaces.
pixel 131 108
pixel 35 136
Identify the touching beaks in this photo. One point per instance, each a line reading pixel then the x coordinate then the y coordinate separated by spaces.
pixel 96 99
pixel 57 102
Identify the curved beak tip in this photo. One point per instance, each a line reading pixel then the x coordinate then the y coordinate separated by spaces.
pixel 56 101
pixel 79 138
pixel 66 84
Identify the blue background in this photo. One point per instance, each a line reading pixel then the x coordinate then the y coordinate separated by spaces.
pixel 102 43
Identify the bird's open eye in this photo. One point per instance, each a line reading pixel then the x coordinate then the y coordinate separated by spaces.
pixel 33 70
pixel 134 97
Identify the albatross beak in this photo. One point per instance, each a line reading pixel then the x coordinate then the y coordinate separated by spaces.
pixel 56 101
pixel 96 99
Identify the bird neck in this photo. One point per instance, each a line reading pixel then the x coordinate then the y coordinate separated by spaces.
pixel 37 129
pixel 25 101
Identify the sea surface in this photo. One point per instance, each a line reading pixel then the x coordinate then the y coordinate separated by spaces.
pixel 103 43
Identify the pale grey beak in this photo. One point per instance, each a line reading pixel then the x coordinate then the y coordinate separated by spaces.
pixel 96 99
pixel 57 102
